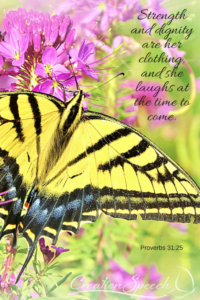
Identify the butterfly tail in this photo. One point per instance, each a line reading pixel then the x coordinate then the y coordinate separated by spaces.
pixel 37 222
pixel 32 245
pixel 47 216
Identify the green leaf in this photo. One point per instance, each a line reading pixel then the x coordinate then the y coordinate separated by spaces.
pixel 24 251
pixel 14 289
pixel 53 265
pixel 118 48
pixel 59 283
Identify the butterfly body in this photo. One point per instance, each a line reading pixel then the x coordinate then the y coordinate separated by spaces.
pixel 66 165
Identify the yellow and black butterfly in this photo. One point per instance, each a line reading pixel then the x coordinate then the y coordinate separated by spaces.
pixel 66 165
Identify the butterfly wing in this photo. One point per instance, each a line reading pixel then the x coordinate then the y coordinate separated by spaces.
pixel 108 166
pixel 135 177
pixel 103 165
pixel 21 127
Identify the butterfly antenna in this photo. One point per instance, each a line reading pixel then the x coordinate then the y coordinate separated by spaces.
pixel 64 93
pixel 77 86
pixel 107 82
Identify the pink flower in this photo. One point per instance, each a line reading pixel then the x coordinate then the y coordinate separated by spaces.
pixel 118 275
pixel 5 285
pixel 2 70
pixel 198 84
pixel 59 250
pixel 37 45
pixel 141 270
pixel 15 48
pixel 127 281
pixel 87 12
pixel 147 91
pixel 156 7
pixel 48 67
pixel 55 88
pixel 182 227
pixel 48 255
pixel 154 276
pixel 86 50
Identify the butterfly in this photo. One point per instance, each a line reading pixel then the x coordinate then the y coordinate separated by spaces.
pixel 65 166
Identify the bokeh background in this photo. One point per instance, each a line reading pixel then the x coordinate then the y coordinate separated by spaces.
pixel 111 248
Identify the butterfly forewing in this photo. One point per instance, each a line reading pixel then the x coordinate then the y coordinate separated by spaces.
pixel 21 125
pixel 136 177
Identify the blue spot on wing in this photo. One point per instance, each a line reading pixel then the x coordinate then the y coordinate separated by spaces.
pixel 34 208
pixel 89 198
pixel 42 215
pixel 58 212
pixel 17 207
pixel 75 204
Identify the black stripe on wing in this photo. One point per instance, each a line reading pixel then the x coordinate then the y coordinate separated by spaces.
pixel 10 181
pixel 15 111
pixel 120 160
pixel 101 143
pixel 36 113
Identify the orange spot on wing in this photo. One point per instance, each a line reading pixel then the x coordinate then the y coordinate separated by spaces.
pixel 27 205
pixel 21 225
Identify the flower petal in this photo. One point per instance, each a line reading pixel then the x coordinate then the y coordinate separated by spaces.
pixel 85 107
pixel 49 56
pixel 91 15
pixel 1 62
pixel 12 279
pixel 154 276
pixel 60 69
pixel 15 37
pixel 58 93
pixel 7 50
pixel 198 84
pixel 18 62
pixel 63 77
pixel 40 70
pixel 87 70
pixel 59 250
pixel 23 43
pixel 42 243
pixel 45 87
pixel 85 50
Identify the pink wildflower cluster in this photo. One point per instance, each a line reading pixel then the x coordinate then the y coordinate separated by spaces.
pixel 135 98
pixel 141 276
pixel 7 279
pixel 37 49
pixel 95 17
pixel 106 12
pixel 143 280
